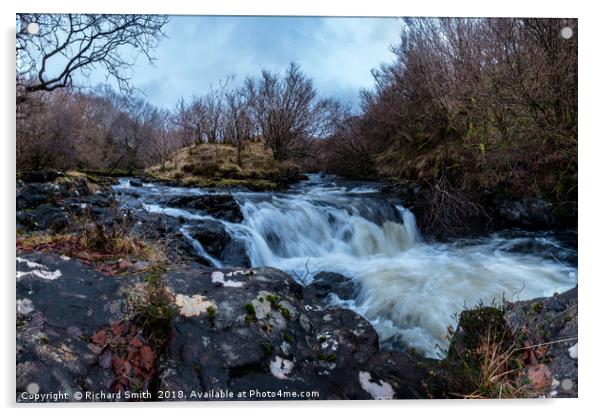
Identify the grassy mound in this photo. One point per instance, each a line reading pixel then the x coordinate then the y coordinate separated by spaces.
pixel 211 165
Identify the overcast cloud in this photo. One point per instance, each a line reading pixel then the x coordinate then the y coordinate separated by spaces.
pixel 338 53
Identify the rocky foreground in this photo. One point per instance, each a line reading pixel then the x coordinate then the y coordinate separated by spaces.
pixel 113 306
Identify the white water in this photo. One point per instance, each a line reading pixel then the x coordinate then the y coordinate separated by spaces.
pixel 409 289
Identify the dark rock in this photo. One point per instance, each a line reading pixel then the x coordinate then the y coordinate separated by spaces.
pixel 221 206
pixel 551 320
pixel 33 195
pixel 39 176
pixel 527 213
pixel 218 340
pixel 157 227
pixel 409 192
pixel 51 218
pixel 325 283
pixel 26 221
pixel 60 303
pixel 473 324
pixel 218 243
pixel 518 329
pixel 135 182
pixel 409 375
pixel 46 217
pixel 264 348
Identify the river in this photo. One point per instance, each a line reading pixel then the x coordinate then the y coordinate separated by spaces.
pixel 409 289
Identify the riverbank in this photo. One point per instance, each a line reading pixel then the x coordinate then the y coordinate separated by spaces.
pixel 491 210
pixel 106 290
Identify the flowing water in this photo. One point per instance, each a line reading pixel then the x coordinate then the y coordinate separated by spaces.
pixel 408 288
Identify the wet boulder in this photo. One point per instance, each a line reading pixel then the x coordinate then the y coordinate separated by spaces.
pixel 326 283
pixel 532 213
pixel 253 330
pixel 51 218
pixel 551 320
pixel 157 227
pixel 60 303
pixel 135 182
pixel 220 206
pixel 218 243
pixel 33 195
pixel 46 217
pixel 232 330
pixel 473 324
pixel 26 221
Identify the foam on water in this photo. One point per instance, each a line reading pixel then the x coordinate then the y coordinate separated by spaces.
pixel 409 289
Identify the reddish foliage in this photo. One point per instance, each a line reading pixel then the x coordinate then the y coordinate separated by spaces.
pixel 72 245
pixel 119 328
pixel 100 337
pixel 147 357
pixel 123 349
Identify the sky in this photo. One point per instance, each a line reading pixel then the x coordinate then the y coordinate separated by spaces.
pixel 199 51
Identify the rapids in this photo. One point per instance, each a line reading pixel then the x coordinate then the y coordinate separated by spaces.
pixel 409 289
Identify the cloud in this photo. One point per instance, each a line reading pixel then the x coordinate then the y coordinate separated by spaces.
pixel 338 53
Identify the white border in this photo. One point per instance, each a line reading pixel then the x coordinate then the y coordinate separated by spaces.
pixel 589 231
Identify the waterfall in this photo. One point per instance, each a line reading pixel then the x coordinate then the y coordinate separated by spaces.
pixel 291 228
pixel 409 289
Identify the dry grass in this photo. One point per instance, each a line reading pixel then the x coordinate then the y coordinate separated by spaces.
pixel 88 247
pixel 497 375
pixel 217 165
pixel 72 177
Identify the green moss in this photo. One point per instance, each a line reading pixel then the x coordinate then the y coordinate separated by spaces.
pixel 154 274
pixel 154 312
pixel 287 338
pixel 250 308
pixel 275 304
pixel 250 317
pixel 286 313
pixel 267 348
pixel 273 299
pixel 331 358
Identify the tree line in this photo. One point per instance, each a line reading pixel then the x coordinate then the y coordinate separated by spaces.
pixel 469 106
pixel 61 125
pixel 476 104
pixel 103 129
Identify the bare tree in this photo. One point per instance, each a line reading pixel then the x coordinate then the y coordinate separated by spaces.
pixel 471 105
pixel 184 123
pixel 162 140
pixel 237 124
pixel 70 44
pixel 287 111
pixel 202 118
